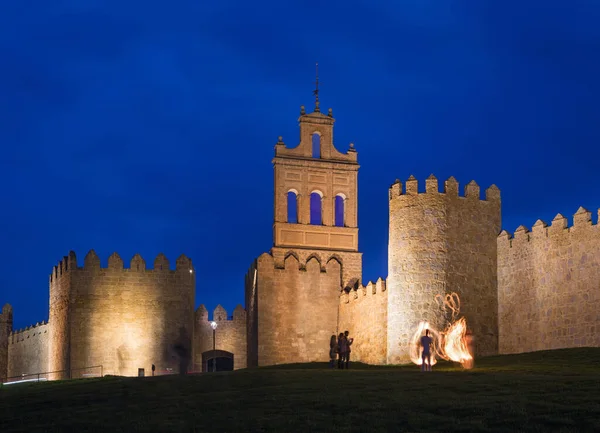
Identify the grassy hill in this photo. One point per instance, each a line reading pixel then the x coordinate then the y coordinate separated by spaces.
pixel 543 391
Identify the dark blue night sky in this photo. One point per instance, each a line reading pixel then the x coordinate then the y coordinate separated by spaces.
pixel 149 127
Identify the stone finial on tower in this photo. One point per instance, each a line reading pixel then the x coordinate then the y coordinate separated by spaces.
pixel 352 149
pixel 302 110
pixel 412 186
pixel 91 260
pixel 395 189
pixel 558 224
pixel 492 193
pixel 582 217
pixel 115 262
pixel 137 263
pixel 431 184
pixel 451 186
pixel 219 313
pixel 161 263
pixel 472 190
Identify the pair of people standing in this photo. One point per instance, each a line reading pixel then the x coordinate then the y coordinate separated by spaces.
pixel 340 348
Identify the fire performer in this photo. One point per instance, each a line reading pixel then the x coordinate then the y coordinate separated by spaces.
pixel 426 354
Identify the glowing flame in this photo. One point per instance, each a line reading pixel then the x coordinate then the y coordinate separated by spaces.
pixel 415 348
pixel 452 344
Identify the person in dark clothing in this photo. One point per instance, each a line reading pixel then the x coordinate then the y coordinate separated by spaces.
pixel 333 351
pixel 349 342
pixel 426 354
pixel 341 350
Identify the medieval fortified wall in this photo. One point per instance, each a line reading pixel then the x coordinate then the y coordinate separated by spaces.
pixel 535 290
pixel 121 319
pixel 440 242
pixel 230 336
pixel 549 285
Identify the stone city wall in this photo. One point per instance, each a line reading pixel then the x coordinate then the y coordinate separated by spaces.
pixel 549 285
pixel 363 312
pixel 122 319
pixel 28 350
pixel 230 336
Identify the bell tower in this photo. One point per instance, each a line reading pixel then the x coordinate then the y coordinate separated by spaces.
pixel 315 188
pixel 293 291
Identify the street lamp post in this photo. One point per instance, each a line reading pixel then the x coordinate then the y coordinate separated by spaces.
pixel 213 325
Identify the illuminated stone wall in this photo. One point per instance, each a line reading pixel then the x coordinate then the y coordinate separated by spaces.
pixel 441 243
pixel 363 312
pixel 296 303
pixel 549 285
pixel 6 321
pixel 28 350
pixel 58 317
pixel 230 335
pixel 125 319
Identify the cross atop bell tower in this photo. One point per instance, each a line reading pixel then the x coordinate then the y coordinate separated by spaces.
pixel 316 91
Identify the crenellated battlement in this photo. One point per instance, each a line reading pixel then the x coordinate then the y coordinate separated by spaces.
pixel 582 220
pixel 91 263
pixel 219 314
pixel 451 189
pixel 361 291
pixel 23 334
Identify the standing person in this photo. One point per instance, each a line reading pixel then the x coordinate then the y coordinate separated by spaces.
pixel 341 350
pixel 349 342
pixel 426 354
pixel 333 351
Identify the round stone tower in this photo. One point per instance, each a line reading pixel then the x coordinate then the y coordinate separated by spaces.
pixel 441 243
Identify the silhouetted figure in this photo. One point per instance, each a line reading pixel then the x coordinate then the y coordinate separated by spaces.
pixel 426 354
pixel 333 351
pixel 349 342
pixel 153 369
pixel 341 343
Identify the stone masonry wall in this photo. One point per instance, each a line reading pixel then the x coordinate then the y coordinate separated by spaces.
pixel 58 317
pixel 28 350
pixel 6 321
pixel 230 336
pixel 441 243
pixel 363 312
pixel 297 303
pixel 125 319
pixel 549 285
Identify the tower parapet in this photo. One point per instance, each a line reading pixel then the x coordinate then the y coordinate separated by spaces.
pixel 441 242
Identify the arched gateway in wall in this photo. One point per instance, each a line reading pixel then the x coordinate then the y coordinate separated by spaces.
pixel 224 361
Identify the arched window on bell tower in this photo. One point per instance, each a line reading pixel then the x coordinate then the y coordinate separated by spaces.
pixel 292 207
pixel 316 208
pixel 316 145
pixel 339 205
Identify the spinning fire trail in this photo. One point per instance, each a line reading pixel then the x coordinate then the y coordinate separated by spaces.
pixel 452 344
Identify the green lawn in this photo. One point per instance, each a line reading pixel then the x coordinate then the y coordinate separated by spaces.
pixel 544 391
